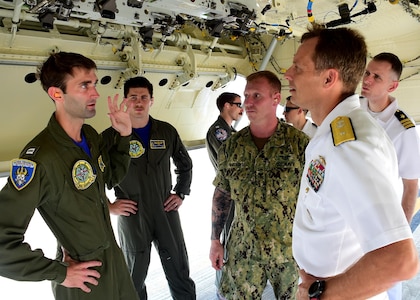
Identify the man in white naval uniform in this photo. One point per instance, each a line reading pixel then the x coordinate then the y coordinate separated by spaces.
pixel 351 239
pixel 381 78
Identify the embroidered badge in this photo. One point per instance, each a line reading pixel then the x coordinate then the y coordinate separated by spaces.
pixel 157 144
pixel 22 172
pixel 404 119
pixel 83 175
pixel 342 130
pixel 101 163
pixel 221 134
pixel 316 173
pixel 136 149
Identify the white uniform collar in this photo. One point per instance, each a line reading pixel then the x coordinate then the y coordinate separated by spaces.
pixel 385 115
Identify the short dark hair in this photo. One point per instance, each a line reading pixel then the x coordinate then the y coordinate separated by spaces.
pixel 343 49
pixel 272 78
pixel 138 82
pixel 225 98
pixel 391 58
pixel 58 66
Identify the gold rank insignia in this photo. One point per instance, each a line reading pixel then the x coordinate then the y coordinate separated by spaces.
pixel 136 149
pixel 404 120
pixel 342 130
pixel 22 172
pixel 83 175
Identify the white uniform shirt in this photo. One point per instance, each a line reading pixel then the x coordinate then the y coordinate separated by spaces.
pixel 309 128
pixel 406 141
pixel 348 202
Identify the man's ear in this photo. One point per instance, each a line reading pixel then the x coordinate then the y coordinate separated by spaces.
pixel 393 86
pixel 277 98
pixel 331 77
pixel 55 93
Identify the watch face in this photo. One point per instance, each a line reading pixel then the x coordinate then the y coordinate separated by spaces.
pixel 316 289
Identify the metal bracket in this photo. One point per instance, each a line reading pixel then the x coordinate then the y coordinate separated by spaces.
pixel 189 65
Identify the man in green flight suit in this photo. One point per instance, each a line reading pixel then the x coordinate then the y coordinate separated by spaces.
pixel 146 203
pixel 62 172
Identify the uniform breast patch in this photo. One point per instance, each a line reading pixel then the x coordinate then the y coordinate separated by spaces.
pixel 221 134
pixel 157 144
pixel 404 119
pixel 22 172
pixel 316 173
pixel 136 149
pixel 83 175
pixel 342 130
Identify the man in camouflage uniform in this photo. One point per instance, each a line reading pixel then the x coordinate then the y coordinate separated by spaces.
pixel 230 107
pixel 260 169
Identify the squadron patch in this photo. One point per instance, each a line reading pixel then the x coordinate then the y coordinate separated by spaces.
pixel 221 134
pixel 404 120
pixel 157 144
pixel 316 173
pixel 136 149
pixel 83 175
pixel 101 163
pixel 342 130
pixel 22 172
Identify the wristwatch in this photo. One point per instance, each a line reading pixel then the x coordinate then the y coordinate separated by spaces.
pixel 181 195
pixel 316 289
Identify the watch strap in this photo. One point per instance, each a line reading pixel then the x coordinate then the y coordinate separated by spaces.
pixel 181 195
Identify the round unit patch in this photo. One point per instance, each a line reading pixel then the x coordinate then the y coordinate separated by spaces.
pixel 136 149
pixel 82 175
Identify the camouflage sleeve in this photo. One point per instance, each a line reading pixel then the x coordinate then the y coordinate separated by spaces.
pixel 221 179
pixel 219 213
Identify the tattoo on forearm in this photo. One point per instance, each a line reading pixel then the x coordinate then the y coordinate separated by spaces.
pixel 220 211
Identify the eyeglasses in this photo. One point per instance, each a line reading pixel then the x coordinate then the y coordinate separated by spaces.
pixel 289 108
pixel 238 104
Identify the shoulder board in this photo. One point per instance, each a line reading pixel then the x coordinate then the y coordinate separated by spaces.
pixel 404 119
pixel 342 130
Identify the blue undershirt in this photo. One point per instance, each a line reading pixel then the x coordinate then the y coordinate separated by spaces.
pixel 144 134
pixel 84 145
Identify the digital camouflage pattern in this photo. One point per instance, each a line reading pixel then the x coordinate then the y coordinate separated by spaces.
pixel 264 185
